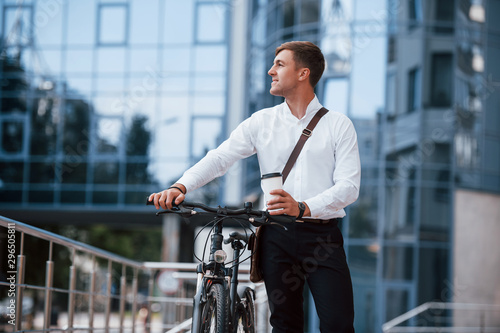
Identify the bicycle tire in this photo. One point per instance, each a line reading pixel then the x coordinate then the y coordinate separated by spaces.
pixel 245 315
pixel 214 312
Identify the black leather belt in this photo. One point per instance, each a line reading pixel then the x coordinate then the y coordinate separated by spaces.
pixel 318 221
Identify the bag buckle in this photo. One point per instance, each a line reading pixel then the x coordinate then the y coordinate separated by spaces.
pixel 307 132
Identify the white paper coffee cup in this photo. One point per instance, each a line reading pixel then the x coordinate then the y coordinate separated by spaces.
pixel 269 182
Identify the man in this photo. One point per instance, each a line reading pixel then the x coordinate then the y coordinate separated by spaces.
pixel 323 181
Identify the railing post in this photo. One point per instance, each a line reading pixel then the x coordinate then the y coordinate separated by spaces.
pixel 20 282
pixel 49 278
pixel 71 294
pixel 134 300
pixel 108 296
pixel 91 295
pixel 150 296
pixel 20 289
pixel 123 294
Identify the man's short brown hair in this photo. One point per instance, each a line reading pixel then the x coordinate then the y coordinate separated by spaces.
pixel 306 54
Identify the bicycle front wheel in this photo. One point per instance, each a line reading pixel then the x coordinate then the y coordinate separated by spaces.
pixel 245 314
pixel 214 311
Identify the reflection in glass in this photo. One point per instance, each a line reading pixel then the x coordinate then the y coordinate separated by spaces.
pixel 336 94
pixel 398 263
pixel 176 60
pixel 113 24
pixel 175 84
pixel 81 22
pixel 76 131
pixel 48 22
pixel 211 22
pixel 441 80
pixel 445 15
pixel 213 104
pixel 111 60
pixel 79 61
pixel 414 13
pixel 211 58
pixel 288 15
pixel 106 85
pixel 109 131
pixel 210 83
pixel 363 217
pixel 104 197
pixel 401 201
pixel 414 89
pixel 12 136
pixel 433 280
pixel 391 109
pixel 72 197
pixel 17 25
pixel 178 28
pixel 136 173
pixel 42 172
pixel 106 172
pixel 363 267
pixel 336 43
pixel 397 303
pixel 144 61
pixel 112 104
pixel 206 135
pixel 40 196
pixel 73 170
pixel 11 172
pixel 309 12
pixel 144 21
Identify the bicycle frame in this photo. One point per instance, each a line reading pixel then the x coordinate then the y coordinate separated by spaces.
pixel 218 274
pixel 225 279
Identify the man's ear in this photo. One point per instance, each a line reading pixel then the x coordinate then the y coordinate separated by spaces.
pixel 304 74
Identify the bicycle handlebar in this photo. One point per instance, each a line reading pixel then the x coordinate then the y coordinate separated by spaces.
pixel 255 217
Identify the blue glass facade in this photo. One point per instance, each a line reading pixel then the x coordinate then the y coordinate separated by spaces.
pixel 103 102
pixel 416 79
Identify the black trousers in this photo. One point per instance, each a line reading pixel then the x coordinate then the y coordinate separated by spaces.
pixel 312 253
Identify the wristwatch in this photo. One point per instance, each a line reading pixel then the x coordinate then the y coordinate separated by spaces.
pixel 302 209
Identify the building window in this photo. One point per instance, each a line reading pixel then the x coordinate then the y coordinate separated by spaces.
pixel 112 24
pixel 391 95
pixel 414 14
pixel 211 23
pixel 414 89
pixel 441 79
pixel 445 16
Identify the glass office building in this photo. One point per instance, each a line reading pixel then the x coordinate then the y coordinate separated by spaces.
pixel 419 81
pixel 102 102
pixel 105 101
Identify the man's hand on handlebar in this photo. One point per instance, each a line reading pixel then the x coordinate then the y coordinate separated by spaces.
pixel 166 198
pixel 285 203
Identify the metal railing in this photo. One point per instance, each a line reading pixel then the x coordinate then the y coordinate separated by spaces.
pixel 87 289
pixel 447 318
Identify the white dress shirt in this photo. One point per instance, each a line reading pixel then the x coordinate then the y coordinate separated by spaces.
pixel 326 174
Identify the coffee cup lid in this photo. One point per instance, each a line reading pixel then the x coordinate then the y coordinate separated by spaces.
pixel 271 175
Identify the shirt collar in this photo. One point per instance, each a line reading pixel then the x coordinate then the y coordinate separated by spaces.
pixel 312 108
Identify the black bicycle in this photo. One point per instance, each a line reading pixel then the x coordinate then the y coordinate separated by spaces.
pixel 220 304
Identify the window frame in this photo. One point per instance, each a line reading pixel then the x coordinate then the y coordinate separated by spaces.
pixel 100 7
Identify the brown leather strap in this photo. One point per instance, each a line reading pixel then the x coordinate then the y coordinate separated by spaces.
pixel 306 133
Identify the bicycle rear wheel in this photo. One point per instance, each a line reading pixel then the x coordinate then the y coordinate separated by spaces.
pixel 245 314
pixel 214 311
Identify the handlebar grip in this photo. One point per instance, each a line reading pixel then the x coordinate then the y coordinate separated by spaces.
pixel 152 203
